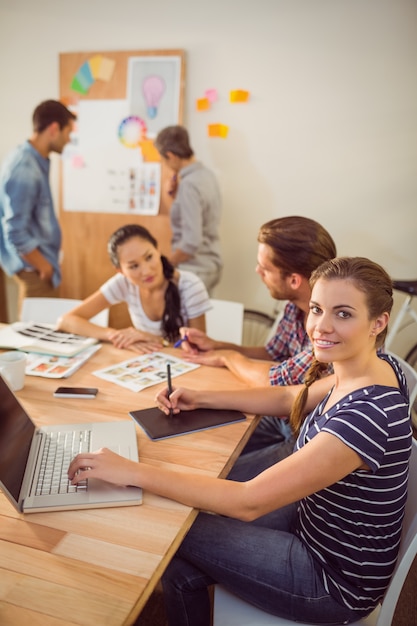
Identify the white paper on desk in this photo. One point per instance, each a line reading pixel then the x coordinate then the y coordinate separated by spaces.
pixel 144 370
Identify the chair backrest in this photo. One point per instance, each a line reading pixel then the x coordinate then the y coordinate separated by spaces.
pixel 273 329
pixel 256 327
pixel 411 378
pixel 48 310
pixel 410 375
pixel 408 548
pixel 232 611
pixel 224 321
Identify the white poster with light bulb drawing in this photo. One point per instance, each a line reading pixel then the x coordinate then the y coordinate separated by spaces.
pixel 153 91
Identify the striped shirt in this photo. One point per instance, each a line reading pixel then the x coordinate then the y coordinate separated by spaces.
pixel 193 295
pixel 353 527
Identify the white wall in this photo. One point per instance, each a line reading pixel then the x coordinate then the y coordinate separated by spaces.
pixel 330 131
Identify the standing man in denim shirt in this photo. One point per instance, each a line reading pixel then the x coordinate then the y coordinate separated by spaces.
pixel 30 235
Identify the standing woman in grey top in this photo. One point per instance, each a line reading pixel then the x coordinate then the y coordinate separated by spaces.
pixel 195 211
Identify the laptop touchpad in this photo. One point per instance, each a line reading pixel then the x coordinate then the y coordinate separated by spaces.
pixel 122 450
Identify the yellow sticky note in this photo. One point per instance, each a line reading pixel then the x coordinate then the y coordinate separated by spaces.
pixel 239 95
pixel 217 130
pixel 203 104
pixel 106 69
pixel 95 63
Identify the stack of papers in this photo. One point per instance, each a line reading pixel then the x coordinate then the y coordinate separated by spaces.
pixel 50 366
pixel 43 339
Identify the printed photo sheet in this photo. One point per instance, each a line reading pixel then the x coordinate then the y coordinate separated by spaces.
pixel 144 370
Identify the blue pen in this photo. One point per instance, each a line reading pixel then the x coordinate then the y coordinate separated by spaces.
pixel 179 342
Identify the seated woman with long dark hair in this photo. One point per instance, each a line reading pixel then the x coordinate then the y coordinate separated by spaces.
pixel 160 298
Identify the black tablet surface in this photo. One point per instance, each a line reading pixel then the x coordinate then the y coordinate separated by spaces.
pixel 157 425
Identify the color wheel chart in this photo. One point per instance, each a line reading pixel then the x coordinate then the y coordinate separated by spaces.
pixel 97 67
pixel 132 131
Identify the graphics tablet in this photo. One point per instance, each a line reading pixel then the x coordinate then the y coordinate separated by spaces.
pixel 157 425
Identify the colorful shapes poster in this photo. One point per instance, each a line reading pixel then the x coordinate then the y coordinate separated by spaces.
pixel 95 68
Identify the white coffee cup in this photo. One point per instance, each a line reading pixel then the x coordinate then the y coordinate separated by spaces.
pixel 12 368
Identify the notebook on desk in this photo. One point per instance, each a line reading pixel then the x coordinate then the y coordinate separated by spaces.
pixel 33 488
pixel 158 425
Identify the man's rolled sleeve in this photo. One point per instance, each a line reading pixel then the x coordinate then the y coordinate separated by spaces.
pixel 291 371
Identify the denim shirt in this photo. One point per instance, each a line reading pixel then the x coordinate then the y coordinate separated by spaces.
pixel 27 215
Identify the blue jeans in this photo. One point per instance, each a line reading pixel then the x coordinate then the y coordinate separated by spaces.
pixel 271 441
pixel 262 562
pixel 269 431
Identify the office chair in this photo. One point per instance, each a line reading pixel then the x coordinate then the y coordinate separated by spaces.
pixel 410 375
pixel 256 327
pixel 224 321
pixel 48 310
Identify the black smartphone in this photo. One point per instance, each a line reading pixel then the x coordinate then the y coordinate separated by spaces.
pixel 76 392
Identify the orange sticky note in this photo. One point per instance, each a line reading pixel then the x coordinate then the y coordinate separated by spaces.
pixel 218 130
pixel 239 95
pixel 203 104
pixel 149 152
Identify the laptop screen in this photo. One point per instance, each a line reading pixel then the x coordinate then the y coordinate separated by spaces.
pixel 16 432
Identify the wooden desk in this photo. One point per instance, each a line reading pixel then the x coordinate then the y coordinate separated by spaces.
pixel 99 566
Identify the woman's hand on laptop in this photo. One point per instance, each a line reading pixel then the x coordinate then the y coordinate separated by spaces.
pixel 103 464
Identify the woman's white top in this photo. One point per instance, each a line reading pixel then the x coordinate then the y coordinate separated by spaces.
pixel 193 296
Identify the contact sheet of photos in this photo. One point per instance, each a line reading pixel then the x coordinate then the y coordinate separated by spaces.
pixel 144 371
pixel 52 366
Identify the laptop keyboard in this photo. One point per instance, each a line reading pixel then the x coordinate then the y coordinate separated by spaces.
pixel 59 450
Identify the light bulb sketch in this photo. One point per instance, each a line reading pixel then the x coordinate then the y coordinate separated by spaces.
pixel 153 88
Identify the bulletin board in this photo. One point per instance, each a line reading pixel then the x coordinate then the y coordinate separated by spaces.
pixel 111 172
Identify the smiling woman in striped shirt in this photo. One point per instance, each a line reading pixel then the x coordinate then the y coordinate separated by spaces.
pixel 314 537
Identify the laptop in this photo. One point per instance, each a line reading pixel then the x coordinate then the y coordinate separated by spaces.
pixel 32 487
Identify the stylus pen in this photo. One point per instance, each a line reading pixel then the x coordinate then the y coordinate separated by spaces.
pixel 179 342
pixel 169 385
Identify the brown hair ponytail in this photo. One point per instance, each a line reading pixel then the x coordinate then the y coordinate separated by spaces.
pixel 297 414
